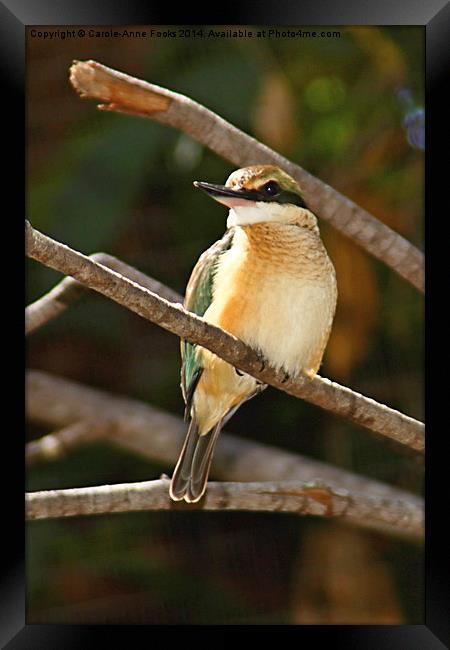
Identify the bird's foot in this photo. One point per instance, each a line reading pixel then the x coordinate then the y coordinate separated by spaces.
pixel 263 364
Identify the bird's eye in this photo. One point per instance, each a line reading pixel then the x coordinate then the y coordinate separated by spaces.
pixel 271 188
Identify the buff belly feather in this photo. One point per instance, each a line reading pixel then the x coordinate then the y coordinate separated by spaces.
pixel 272 305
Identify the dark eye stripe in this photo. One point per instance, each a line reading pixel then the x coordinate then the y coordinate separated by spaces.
pixel 291 197
pixel 271 192
pixel 284 196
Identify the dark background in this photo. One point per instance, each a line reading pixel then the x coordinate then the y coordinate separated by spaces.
pixel 349 111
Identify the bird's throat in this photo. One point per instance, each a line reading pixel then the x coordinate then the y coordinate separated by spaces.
pixel 253 212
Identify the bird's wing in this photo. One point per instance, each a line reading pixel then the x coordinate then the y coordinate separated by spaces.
pixel 197 299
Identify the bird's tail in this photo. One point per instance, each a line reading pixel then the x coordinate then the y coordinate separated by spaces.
pixel 192 469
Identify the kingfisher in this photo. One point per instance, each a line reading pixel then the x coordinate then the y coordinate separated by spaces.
pixel 269 281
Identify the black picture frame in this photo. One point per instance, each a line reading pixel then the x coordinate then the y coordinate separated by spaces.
pixel 15 16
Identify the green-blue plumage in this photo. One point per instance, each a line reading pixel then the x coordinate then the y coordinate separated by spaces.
pixel 199 295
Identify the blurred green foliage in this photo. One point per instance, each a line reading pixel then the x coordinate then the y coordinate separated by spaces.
pixel 123 185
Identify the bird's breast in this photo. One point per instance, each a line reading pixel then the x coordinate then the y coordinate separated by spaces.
pixel 277 294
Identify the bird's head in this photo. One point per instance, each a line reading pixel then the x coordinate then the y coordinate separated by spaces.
pixel 261 194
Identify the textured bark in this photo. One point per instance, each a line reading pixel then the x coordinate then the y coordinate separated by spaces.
pixel 69 290
pixel 143 429
pixel 126 94
pixel 174 318
pixel 287 496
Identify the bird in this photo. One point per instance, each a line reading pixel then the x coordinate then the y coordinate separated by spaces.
pixel 268 281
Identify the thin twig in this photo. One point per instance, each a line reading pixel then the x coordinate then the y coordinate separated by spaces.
pixel 174 318
pixel 69 290
pixel 157 435
pixel 57 444
pixel 125 94
pixel 288 496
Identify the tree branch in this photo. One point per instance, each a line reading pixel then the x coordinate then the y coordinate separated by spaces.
pixel 56 445
pixel 125 94
pixel 174 318
pixel 158 436
pixel 286 496
pixel 69 290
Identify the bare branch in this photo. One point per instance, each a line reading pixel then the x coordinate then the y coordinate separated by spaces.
pixel 126 94
pixel 287 496
pixel 174 318
pixel 69 290
pixel 158 436
pixel 56 445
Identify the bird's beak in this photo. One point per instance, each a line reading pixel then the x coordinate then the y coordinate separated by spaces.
pixel 229 197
